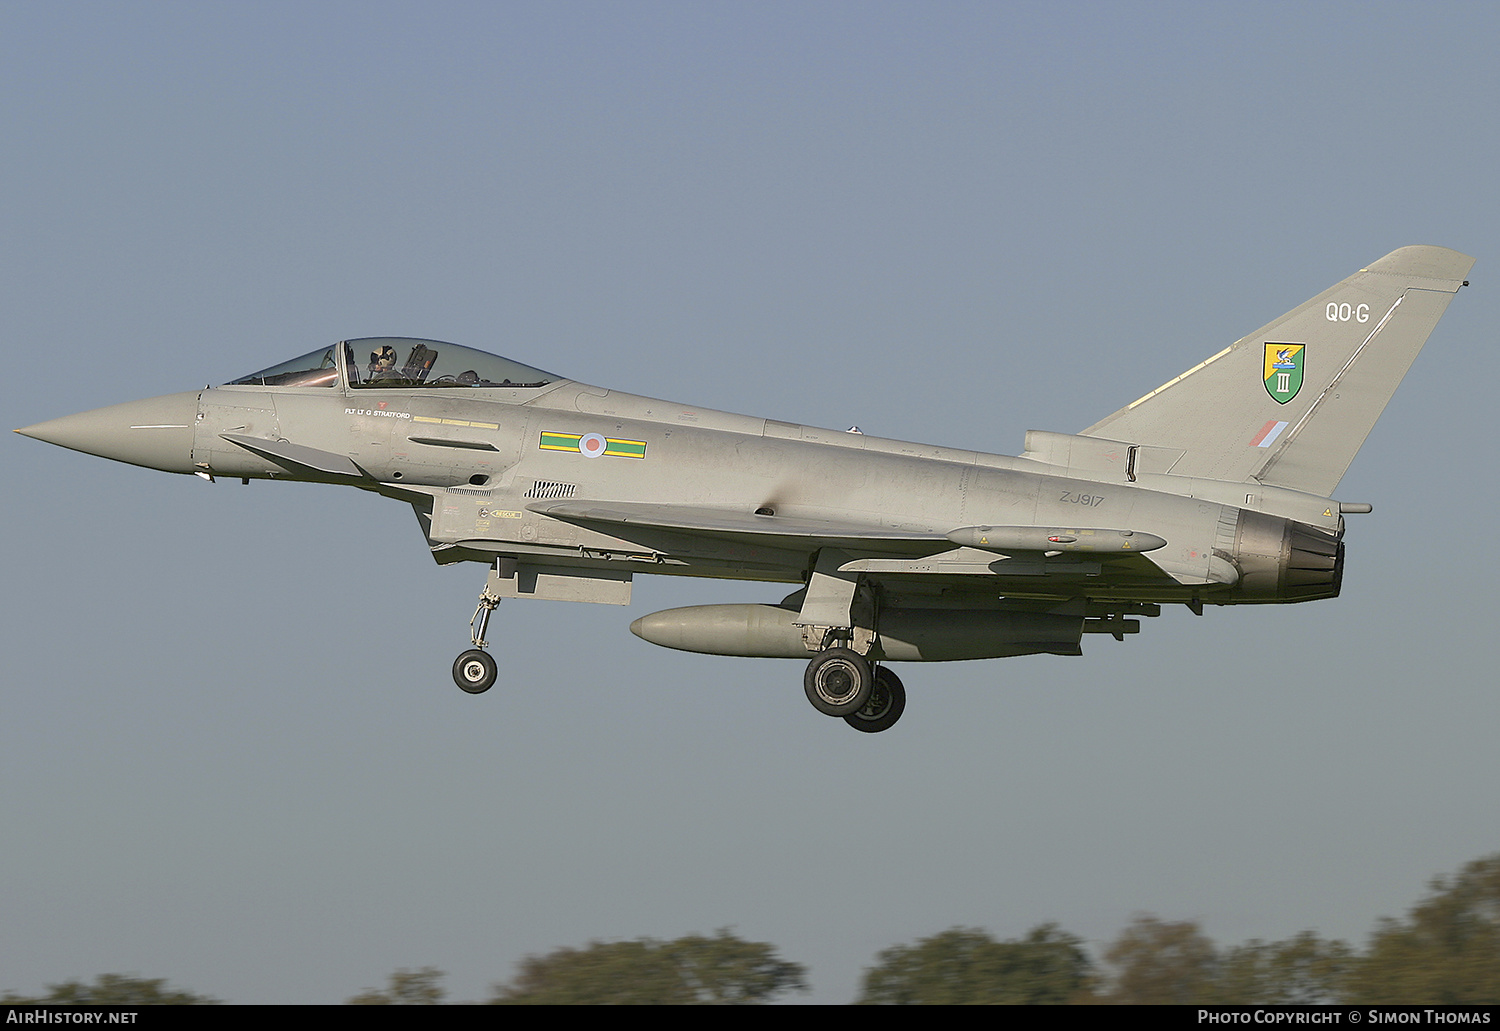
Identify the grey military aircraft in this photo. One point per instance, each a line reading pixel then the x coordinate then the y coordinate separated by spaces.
pixel 1216 488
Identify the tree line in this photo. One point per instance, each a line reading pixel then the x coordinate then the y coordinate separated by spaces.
pixel 1446 950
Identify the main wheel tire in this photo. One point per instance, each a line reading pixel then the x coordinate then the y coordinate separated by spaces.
pixel 838 682
pixel 475 671
pixel 887 703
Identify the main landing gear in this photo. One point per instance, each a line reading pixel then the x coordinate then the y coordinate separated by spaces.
pixel 839 614
pixel 887 703
pixel 838 681
pixel 841 682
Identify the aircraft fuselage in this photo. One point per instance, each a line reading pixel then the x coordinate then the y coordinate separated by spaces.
pixel 481 471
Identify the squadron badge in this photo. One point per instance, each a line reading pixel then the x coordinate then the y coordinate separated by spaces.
pixel 1283 371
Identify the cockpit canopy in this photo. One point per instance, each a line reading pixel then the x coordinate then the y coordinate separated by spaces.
pixel 398 363
pixel 314 369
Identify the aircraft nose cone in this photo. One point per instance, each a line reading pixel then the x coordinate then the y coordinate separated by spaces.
pixel 156 433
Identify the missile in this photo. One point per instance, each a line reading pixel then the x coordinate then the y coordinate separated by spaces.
pixel 1054 538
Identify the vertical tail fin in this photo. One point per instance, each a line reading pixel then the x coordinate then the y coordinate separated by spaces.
pixel 1291 403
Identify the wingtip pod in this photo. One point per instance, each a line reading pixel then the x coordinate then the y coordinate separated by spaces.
pixel 1423 261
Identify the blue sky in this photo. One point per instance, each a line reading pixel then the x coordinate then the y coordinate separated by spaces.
pixel 230 752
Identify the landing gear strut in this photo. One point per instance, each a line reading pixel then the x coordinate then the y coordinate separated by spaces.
pixel 475 670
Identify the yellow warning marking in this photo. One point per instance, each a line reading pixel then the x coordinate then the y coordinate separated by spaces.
pixel 456 422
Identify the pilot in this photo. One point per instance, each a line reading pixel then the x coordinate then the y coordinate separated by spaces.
pixel 383 362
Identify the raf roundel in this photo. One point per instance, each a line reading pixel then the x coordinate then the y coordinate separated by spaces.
pixel 592 445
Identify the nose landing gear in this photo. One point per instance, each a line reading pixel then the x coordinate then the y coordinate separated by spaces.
pixel 475 671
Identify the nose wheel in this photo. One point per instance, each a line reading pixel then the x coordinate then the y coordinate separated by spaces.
pixel 475 671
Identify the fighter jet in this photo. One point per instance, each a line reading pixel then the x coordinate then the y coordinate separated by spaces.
pixel 1216 488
